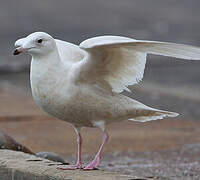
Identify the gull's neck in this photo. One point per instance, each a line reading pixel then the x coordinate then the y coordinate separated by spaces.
pixel 45 68
pixel 50 59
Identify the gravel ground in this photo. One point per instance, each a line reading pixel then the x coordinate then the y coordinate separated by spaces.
pixel 182 163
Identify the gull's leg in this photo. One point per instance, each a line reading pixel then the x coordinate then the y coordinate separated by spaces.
pixel 78 164
pixel 95 163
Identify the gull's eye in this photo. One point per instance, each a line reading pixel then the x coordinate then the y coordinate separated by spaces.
pixel 39 41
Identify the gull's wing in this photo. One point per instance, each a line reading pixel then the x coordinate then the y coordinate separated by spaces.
pixel 115 62
pixel 69 53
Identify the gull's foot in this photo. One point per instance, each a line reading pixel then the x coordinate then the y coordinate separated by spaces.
pixel 93 165
pixel 70 167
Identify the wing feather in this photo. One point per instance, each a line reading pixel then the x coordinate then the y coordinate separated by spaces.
pixel 69 53
pixel 119 61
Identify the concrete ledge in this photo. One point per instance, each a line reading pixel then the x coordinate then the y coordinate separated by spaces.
pixel 20 166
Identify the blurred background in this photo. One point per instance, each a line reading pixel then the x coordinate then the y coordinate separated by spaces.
pixel 169 83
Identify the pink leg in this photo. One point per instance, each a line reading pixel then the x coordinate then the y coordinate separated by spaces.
pixel 95 163
pixel 78 164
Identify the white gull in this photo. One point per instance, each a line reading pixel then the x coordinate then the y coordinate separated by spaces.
pixel 82 84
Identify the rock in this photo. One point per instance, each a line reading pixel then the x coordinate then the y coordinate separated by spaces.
pixel 7 142
pixel 18 166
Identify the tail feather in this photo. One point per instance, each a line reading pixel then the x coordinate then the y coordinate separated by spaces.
pixel 153 114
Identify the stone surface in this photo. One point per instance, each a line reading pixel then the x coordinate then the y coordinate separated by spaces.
pixel 21 166
pixel 51 156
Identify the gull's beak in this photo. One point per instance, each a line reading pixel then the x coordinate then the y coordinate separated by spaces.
pixel 19 44
pixel 18 51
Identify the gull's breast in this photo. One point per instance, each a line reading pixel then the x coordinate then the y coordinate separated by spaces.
pixel 61 102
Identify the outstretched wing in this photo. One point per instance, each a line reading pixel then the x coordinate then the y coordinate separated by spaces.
pixel 115 62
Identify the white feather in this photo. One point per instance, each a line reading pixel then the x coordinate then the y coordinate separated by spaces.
pixel 69 53
pixel 158 114
pixel 120 61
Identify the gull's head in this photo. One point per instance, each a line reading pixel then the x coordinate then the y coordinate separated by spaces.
pixel 35 44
